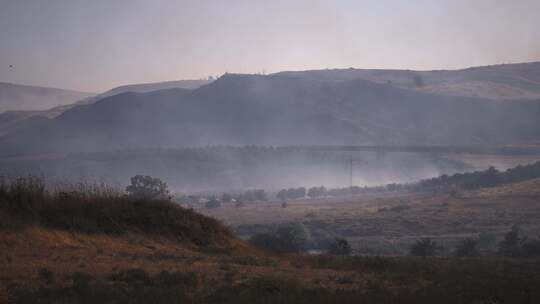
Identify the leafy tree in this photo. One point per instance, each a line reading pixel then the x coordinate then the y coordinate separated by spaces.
pixel 226 198
pixel 314 192
pixel 259 195
pixel 339 247
pixel 467 248
pixel 301 192
pixel 148 187
pixel 282 194
pixel 425 247
pixel 254 195
pixel 293 237
pixel 490 178
pixel 294 193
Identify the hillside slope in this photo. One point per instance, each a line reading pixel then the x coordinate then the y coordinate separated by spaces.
pixel 22 97
pixel 281 110
pixel 47 253
pixel 14 119
pixel 500 82
pixel 508 82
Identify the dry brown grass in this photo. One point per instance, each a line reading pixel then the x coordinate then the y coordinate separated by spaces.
pixel 360 220
pixel 24 253
pixel 234 272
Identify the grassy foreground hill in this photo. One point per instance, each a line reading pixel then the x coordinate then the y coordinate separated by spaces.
pixel 91 244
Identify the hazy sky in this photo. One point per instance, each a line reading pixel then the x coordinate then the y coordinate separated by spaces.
pixel 94 45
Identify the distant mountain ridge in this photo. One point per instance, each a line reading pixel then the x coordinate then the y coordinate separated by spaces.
pixel 282 109
pixel 16 97
pixel 519 81
pixel 154 86
pixel 16 119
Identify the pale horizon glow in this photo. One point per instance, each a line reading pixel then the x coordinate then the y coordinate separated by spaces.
pixel 96 45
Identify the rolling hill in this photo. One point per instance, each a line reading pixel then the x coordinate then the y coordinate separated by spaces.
pixel 14 119
pixel 95 245
pixel 519 81
pixel 281 110
pixel 15 97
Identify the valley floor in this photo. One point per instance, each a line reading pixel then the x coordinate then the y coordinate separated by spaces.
pixel 388 224
pixel 51 264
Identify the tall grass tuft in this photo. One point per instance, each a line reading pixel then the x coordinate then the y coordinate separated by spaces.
pixel 99 208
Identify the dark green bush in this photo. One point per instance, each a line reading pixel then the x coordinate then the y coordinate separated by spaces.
pixel 213 203
pixel 46 275
pixel 285 239
pixel 531 248
pixel 510 246
pixel 339 247
pixel 147 187
pixel 425 247
pixel 467 248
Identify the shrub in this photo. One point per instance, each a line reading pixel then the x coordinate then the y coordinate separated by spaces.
pixel 270 285
pixel 250 260
pixel 293 237
pixel 467 248
pixel 425 247
pixel 46 275
pixel 81 280
pixel 131 276
pixel 531 248
pixel 253 195
pixel 187 280
pixel 22 195
pixel 266 241
pixel 487 241
pixel 282 194
pixel 213 203
pixel 339 247
pixel 147 187
pixel 292 193
pixel 286 239
pixel 315 192
pixel 510 246
pixel 226 198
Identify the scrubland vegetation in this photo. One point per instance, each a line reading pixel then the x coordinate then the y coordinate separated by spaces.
pixel 95 243
pixel 453 184
pixel 466 214
pixel 94 208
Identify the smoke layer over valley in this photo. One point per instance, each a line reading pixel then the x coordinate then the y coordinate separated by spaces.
pixel 322 108
pixel 150 128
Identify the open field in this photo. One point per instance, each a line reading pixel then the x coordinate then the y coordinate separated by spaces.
pixel 106 247
pixel 53 266
pixel 388 223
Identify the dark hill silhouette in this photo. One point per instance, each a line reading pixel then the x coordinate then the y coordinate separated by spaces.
pixel 281 110
pixel 15 120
